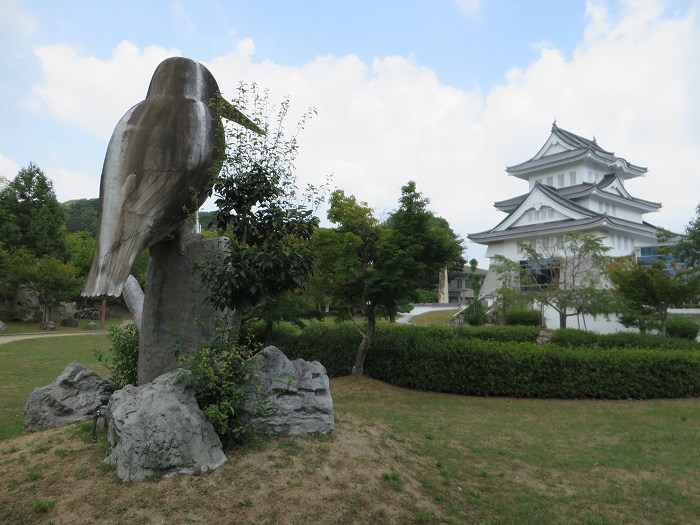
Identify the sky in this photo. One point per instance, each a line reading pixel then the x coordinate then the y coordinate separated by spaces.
pixel 447 93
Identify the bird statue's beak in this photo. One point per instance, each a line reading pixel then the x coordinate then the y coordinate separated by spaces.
pixel 230 112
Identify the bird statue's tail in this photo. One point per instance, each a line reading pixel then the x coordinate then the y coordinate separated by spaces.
pixel 111 269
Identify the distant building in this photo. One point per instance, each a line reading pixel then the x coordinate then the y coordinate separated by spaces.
pixel 455 287
pixel 573 185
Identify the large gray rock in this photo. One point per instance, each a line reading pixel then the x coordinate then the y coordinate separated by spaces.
pixel 176 312
pixel 70 322
pixel 298 392
pixel 2 326
pixel 72 397
pixel 158 428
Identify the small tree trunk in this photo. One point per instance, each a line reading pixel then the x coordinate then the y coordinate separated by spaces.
pixel 359 366
pixel 562 318
pixel 269 324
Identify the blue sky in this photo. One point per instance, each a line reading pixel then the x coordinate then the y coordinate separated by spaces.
pixel 444 92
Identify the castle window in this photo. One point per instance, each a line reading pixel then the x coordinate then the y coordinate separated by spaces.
pixel 560 180
pixel 572 178
pixel 550 180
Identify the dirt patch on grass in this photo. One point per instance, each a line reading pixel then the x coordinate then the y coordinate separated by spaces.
pixel 357 475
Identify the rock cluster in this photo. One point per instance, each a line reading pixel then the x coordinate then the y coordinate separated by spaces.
pixel 73 396
pixel 299 397
pixel 158 429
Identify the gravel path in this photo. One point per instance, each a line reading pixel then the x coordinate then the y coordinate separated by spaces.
pixel 18 337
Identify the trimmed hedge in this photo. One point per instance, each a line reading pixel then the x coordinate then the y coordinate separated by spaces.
pixel 682 327
pixel 574 338
pixel 457 361
pixel 523 316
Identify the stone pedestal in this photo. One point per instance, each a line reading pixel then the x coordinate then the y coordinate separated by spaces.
pixel 176 312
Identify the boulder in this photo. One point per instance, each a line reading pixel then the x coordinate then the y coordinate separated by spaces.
pixel 298 395
pixel 70 322
pixel 72 397
pixel 158 429
pixel 92 326
pixel 543 337
pixel 66 310
pixel 48 325
pixel 2 326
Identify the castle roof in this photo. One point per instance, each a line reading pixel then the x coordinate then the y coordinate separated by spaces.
pixel 574 148
pixel 581 190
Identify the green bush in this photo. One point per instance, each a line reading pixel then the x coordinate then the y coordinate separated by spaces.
pixel 123 361
pixel 514 334
pixel 477 361
pixel 523 317
pixel 648 341
pixel 682 327
pixel 574 338
pixel 221 374
pixel 475 313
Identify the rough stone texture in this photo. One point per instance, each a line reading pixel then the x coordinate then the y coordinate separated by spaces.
pixel 27 307
pixel 543 337
pixel 66 310
pixel 72 397
pixel 133 296
pixel 158 428
pixel 48 325
pixel 176 312
pixel 92 326
pixel 2 326
pixel 70 322
pixel 299 399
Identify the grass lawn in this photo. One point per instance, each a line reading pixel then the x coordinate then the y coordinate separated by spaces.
pixel 397 456
pixel 15 327
pixel 37 362
pixel 436 317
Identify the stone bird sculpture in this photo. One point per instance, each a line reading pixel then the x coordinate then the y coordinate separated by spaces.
pixel 160 162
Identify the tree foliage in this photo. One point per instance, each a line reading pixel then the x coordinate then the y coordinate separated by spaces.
pixel 565 273
pixel 30 215
pixel 81 215
pixel 687 248
pixel 652 288
pixel 259 208
pixel 373 268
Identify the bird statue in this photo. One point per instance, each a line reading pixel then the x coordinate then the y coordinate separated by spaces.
pixel 160 163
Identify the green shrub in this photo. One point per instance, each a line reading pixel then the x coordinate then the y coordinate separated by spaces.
pixel 523 317
pixel 648 341
pixel 475 313
pixel 123 361
pixel 514 334
pixel 505 361
pixel 574 338
pixel 221 374
pixel 332 344
pixel 682 327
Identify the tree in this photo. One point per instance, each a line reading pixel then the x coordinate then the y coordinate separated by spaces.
pixel 475 313
pixel 565 273
pixel 52 280
pixel 81 215
pixel 373 268
pixel 653 287
pixel 687 248
pixel 258 207
pixel 30 215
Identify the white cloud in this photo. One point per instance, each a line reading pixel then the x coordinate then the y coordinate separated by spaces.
pixel 632 82
pixel 8 168
pixel 469 7
pixel 92 93
pixel 73 185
